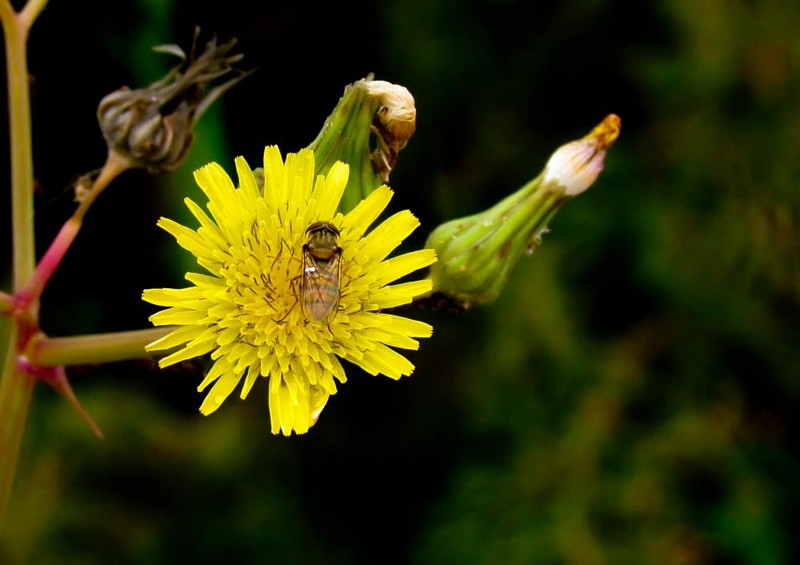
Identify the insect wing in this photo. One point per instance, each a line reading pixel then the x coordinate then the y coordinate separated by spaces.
pixel 320 287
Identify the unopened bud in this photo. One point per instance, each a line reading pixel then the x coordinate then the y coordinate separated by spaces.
pixel 153 127
pixel 477 253
pixel 576 165
pixel 372 122
pixel 393 125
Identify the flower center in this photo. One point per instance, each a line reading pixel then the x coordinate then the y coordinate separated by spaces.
pixel 262 279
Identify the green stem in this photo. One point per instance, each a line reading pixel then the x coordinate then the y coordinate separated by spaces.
pixel 6 304
pixel 97 348
pixel 30 12
pixel 16 390
pixel 16 387
pixel 19 109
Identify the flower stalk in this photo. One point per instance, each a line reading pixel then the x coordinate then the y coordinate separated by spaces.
pixel 108 347
pixel 25 297
pixel 15 30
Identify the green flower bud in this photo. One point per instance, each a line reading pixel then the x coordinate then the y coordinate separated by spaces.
pixel 153 128
pixel 477 253
pixel 372 122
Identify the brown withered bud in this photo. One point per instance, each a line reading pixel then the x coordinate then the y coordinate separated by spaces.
pixel 153 127
pixel 393 125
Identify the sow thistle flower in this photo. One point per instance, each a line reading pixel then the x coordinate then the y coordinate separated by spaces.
pixel 247 310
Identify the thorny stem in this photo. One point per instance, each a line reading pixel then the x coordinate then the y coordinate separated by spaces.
pixel 16 387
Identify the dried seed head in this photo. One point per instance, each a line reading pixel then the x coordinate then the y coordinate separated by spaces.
pixel 153 127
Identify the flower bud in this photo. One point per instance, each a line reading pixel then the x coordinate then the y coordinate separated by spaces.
pixel 576 165
pixel 394 123
pixel 153 127
pixel 371 123
pixel 477 253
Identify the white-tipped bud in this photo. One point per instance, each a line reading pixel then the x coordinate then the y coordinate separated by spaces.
pixel 397 111
pixel 577 164
pixel 367 129
pixel 477 253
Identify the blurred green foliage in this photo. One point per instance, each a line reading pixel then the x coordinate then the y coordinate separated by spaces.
pixel 631 398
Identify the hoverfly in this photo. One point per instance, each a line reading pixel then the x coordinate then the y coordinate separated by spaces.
pixel 320 284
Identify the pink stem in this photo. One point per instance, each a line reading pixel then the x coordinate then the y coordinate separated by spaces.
pixel 24 297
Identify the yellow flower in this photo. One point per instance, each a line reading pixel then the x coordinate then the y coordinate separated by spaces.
pixel 261 308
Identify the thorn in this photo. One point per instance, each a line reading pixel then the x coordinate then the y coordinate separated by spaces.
pixel 57 378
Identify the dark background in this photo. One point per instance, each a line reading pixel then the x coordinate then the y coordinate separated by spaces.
pixel 632 396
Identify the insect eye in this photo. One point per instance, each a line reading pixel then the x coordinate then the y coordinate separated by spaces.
pixel 322 228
